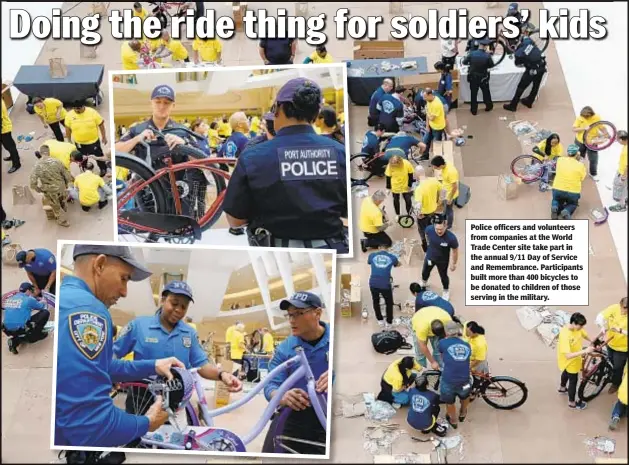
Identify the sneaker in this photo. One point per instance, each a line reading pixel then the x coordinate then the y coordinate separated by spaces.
pixel 6 241
pixel 397 406
pixel 578 406
pixel 613 423
pixel 17 223
pixel 564 215
pixel 594 177
pixel 554 214
pixel 526 103
pixel 508 107
pixel 381 323
pixel 446 295
pixel 562 390
pixel 618 208
pixel 12 346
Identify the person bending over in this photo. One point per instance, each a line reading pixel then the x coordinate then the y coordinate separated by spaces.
pixel 396 381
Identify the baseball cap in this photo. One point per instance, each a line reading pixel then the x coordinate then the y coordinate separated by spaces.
pixel 302 300
pixel 20 258
pixel 572 149
pixel 452 328
pixel 485 41
pixel 179 287
pixel 26 287
pixel 288 90
pixel 163 91
pixel 139 273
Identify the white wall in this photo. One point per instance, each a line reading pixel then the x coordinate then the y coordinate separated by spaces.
pixel 596 75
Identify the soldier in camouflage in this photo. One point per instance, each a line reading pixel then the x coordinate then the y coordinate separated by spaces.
pixel 50 178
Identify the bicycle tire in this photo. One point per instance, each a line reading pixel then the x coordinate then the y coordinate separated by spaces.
pixel 608 144
pixel 501 56
pixel 542 44
pixel 504 379
pixel 363 157
pixel 601 378
pixel 535 175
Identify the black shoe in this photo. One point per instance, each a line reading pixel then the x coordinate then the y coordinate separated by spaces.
pixel 554 214
pixel 363 245
pixel 508 107
pixel 7 158
pixel 474 112
pixel 236 231
pixel 424 246
pixel 489 108
pixel 526 103
pixel 102 204
pixel 12 345
pixel 453 425
pixel 14 168
pixel 85 209
pixel 424 157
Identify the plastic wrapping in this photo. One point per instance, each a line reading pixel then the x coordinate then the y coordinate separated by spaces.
pixel 600 445
pixel 360 191
pixel 378 440
pixel 376 410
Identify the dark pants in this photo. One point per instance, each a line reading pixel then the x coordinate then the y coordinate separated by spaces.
pixel 372 120
pixel 42 282
pixel 525 81
pixel 407 201
pixel 591 155
pixel 450 215
pixel 480 82
pixel 388 299
pixel 386 392
pixel 563 200
pixel 56 129
pixel 571 379
pixel 239 362
pixel 9 145
pixel 376 240
pixel 96 150
pixel 442 267
pixel 33 330
pixel 448 60
pixel 428 138
pixel 619 359
pixel 422 224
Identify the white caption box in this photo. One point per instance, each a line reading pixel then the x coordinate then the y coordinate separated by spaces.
pixel 526 262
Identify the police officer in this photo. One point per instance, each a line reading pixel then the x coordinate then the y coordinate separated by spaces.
pixel 19 317
pixel 41 268
pixel 391 110
pixel 479 61
pixel 425 298
pixel 372 139
pixel 291 191
pixel 85 413
pixel 303 311
pixel 385 88
pixel 528 55
pixel 50 178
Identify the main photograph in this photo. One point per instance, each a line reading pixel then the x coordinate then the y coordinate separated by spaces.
pixel 232 156
pixel 156 351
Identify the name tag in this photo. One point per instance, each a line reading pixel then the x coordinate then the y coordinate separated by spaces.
pixel 308 163
pixel 152 340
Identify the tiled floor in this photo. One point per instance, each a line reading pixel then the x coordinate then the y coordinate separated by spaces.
pixel 544 430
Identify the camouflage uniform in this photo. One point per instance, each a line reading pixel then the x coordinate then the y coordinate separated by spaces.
pixel 50 178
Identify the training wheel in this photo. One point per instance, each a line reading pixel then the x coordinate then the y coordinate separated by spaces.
pixel 406 221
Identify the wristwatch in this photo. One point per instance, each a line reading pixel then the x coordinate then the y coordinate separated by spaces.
pixel 220 375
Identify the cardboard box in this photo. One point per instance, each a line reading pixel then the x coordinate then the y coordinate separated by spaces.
pixel 369 49
pixel 58 68
pixel 507 187
pixel 6 94
pixel 22 195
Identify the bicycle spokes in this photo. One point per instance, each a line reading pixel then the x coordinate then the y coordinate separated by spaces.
pixel 504 393
pixel 279 442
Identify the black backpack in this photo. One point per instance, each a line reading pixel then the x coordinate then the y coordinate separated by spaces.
pixel 388 342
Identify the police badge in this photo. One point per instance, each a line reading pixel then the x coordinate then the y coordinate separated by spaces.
pixel 187 342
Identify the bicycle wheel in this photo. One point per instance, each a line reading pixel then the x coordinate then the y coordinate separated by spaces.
pixel 599 136
pixel 542 44
pixel 152 198
pixel 528 168
pixel 499 388
pixel 135 397
pixel 359 168
pixel 499 52
pixel 593 385
pixel 433 377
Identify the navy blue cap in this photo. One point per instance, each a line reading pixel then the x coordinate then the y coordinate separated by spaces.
pixel 302 300
pixel 270 116
pixel 26 287
pixel 288 90
pixel 163 91
pixel 20 258
pixel 123 253
pixel 179 287
pixel 485 41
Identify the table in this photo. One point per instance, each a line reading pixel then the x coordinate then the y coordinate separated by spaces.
pixel 503 82
pixel 365 76
pixel 82 82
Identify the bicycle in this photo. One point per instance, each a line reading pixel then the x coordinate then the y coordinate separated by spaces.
pixel 176 202
pixel 530 169
pixel 596 373
pixel 200 433
pixel 490 388
pixel 502 46
pixel 162 11
pixel 599 136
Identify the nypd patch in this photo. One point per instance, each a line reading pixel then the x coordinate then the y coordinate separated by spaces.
pixel 89 333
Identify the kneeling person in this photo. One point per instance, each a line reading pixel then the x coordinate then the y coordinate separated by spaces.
pixel 396 380
pixel 20 319
pixel 92 190
pixel 424 409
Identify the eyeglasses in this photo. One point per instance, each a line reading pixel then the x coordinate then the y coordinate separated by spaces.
pixel 296 314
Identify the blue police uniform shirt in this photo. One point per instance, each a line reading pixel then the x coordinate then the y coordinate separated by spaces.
pixel 294 185
pixel 148 340
pixel 390 109
pixel 317 356
pixel 456 355
pixel 373 101
pixel 256 140
pixel 234 145
pixel 370 143
pixel 44 263
pixel 445 83
pixel 381 264
pixel 277 51
pixel 17 310
pixel 439 246
pixel 85 413
pixel 420 411
pixel 528 54
pixel 204 145
pixel 400 145
pixel 432 299
pixel 479 62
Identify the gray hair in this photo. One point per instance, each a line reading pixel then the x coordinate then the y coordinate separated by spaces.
pixel 379 195
pixel 420 171
pixel 452 328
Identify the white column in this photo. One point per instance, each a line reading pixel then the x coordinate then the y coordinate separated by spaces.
pixel 318 264
pixel 269 264
pixel 286 271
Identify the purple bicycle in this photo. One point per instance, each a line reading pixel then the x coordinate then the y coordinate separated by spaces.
pixel 199 433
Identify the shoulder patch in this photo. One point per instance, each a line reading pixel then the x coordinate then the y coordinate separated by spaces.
pixel 89 332
pixel 128 327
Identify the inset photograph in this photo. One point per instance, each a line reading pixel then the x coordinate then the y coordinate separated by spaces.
pixel 155 351
pixel 233 156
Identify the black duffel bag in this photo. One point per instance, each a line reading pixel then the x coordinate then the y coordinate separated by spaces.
pixel 388 342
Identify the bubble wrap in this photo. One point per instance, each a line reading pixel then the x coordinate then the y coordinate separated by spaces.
pixel 378 440
pixel 360 191
pixel 377 410
pixel 600 445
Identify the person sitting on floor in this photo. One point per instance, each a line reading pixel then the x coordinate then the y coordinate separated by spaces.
pixel 396 381
pixel 424 409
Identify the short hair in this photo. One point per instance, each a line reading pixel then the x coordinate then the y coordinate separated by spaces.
pixel 437 328
pixel 379 195
pixel 44 148
pixel 622 134
pixel 237 118
pixel 399 89
pixel 623 302
pixel 428 91
pixel 388 81
pixel 415 288
pixel 213 125
pixel 37 100
pixel 76 155
pixel 438 161
pixel 587 110
pixel 380 127
pixel 196 123
pixel 578 319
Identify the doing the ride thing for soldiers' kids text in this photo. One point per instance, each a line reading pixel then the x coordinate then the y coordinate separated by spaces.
pixel 526 262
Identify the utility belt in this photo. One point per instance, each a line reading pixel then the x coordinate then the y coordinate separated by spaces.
pixel 261 237
pixel 473 76
pixel 538 68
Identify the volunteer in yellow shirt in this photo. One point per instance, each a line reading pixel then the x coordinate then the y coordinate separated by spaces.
pixel 173 48
pixel 254 126
pixel 397 379
pixel 570 354
pixel 83 125
pixel 207 50
pixel 475 337
pixel 427 202
pixel 319 56
pixel 92 190
pixel 615 324
pixel 620 180
pixel 399 178
pixel 449 184
pixel 569 176
pixel 140 11
pixel 51 113
pixel 428 325
pixel 190 323
pixel 130 54
pixel 212 134
pixel 372 222
pixel 436 118
pixel 548 149
pixel 620 408
pixel 8 142
pixel 586 118
pixel 224 128
pixel 268 343
pixel 237 346
pixel 62 151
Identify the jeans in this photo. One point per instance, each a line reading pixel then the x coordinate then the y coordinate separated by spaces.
pixel 449 392
pixel 620 410
pixel 388 299
pixel 420 357
pixel 436 134
pixel 408 202
pixel 375 240
pixel 591 155
pixel 619 359
pixel 562 200
pixel 442 267
pixel 571 379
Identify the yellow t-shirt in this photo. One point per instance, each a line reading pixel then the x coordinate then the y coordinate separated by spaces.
pixel 212 136
pixel 569 175
pixel 399 176
pixel 316 59
pixel 255 124
pixel 615 319
pixel 436 108
pixel 622 163
pixel 122 173
pixel 584 123
pixel 393 376
pixel 129 57
pixel 449 179
pixel 622 390
pixel 268 344
pixel 224 129
pixel 49 113
pixel 370 216
pixel 84 126
pixel 556 151
pixel 570 341
pixel 88 183
pixel 427 193
pixel 7 125
pixel 423 318
pixel 236 340
pixel 61 151
pixel 178 50
pixel 479 347
pixel 142 14
pixel 229 333
pixel 209 49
